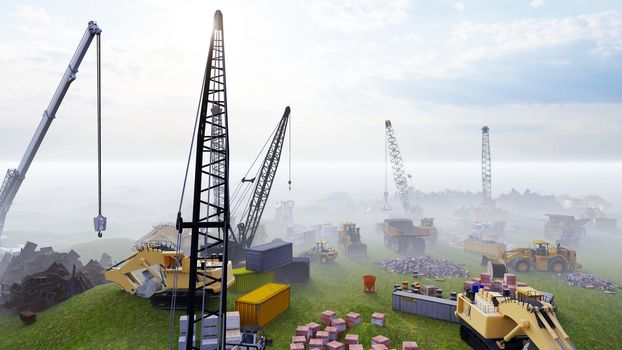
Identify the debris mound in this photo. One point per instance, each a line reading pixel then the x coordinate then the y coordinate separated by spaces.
pixel 589 281
pixel 424 266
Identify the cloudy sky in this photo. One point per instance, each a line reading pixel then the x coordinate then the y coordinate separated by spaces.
pixel 545 75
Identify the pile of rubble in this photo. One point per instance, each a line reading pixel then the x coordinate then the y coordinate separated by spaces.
pixel 424 266
pixel 589 281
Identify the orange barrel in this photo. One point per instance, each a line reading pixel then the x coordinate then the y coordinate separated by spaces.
pixel 369 283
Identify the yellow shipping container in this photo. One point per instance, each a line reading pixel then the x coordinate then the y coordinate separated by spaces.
pixel 264 304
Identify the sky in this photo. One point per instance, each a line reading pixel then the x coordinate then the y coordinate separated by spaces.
pixel 544 75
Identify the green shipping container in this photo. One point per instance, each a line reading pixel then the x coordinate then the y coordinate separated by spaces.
pixel 246 280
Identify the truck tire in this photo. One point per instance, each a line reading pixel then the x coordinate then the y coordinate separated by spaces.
pixel 521 265
pixel 496 270
pixel 557 265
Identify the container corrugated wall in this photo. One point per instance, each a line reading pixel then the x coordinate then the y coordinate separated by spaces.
pixel 264 304
pixel 246 280
pixel 423 305
pixel 298 271
pixel 268 256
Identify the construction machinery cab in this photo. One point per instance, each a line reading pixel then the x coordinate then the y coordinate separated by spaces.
pixel 540 248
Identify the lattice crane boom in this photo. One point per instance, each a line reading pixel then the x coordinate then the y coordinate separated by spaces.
pixel 263 184
pixel 397 164
pixel 486 168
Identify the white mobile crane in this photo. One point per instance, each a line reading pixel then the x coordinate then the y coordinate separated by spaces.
pixel 15 177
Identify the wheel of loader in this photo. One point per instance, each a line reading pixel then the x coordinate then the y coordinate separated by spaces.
pixel 496 270
pixel 521 265
pixel 557 265
pixel 324 259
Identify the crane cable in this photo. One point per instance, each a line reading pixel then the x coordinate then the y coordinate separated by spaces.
pixel 100 221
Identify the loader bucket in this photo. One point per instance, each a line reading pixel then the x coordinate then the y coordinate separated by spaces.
pixel 356 250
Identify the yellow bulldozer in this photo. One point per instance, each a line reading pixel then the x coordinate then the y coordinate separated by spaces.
pixel 322 252
pixel 350 241
pixel 162 271
pixel 541 256
pixel 492 321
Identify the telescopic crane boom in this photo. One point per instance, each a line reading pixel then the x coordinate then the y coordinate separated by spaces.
pixel 243 239
pixel 15 177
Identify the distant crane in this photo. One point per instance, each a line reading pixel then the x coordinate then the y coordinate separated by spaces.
pixel 486 169
pixel 243 238
pixel 15 177
pixel 399 175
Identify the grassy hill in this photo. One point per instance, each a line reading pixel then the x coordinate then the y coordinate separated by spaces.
pixel 107 318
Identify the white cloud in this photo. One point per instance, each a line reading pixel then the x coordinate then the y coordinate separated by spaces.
pixel 352 15
pixel 32 13
pixel 536 3
pixel 459 6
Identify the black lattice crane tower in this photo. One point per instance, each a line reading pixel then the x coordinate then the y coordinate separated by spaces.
pixel 486 169
pixel 399 175
pixel 210 207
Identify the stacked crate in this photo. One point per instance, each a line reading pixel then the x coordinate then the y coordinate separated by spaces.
pixel 314 327
pixel 299 339
pixel 352 319
pixel 339 323
pixel 429 290
pixel 296 346
pixel 379 319
pixel 332 333
pixel 304 331
pixel 327 316
pixel 324 336
pixel 379 347
pixel 316 344
pixel 183 331
pixel 209 333
pixel 233 334
pixel 335 345
pixel 410 345
pixel 381 339
pixel 351 339
pixel 355 347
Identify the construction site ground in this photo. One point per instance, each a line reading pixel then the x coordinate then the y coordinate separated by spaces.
pixel 105 317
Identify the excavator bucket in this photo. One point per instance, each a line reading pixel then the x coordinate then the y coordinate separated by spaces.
pixel 356 250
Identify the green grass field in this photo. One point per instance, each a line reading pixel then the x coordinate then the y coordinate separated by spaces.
pixel 107 318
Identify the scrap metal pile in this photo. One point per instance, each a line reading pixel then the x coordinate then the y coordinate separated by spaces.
pixel 44 289
pixel 589 281
pixel 424 266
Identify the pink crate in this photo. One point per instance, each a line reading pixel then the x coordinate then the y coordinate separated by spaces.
pixel 352 319
pixel 323 335
pixel 316 344
pixel 335 345
pixel 303 331
pixel 327 316
pixel 339 323
pixel 410 345
pixel 296 346
pixel 314 328
pixel 378 319
pixel 299 339
pixel 485 277
pixel 333 333
pixel 351 339
pixel 468 284
pixel 355 347
pixel 379 347
pixel 510 279
pixel 381 339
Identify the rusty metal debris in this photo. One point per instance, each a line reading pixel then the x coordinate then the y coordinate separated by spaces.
pixel 424 266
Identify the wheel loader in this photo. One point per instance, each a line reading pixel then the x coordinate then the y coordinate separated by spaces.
pixel 540 257
pixel 492 321
pixel 162 270
pixel 322 252
pixel 350 241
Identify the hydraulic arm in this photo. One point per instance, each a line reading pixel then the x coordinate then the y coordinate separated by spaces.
pixel 15 177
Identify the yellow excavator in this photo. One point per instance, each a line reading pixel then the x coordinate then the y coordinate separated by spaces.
pixel 163 271
pixel 492 321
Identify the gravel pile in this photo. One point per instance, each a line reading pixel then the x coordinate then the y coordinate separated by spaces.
pixel 424 266
pixel 589 281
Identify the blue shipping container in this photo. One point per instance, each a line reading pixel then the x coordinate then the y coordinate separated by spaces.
pixel 266 257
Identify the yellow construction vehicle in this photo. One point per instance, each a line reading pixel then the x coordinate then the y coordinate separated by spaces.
pixel 491 321
pixel 163 270
pixel 321 251
pixel 350 241
pixel 540 257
